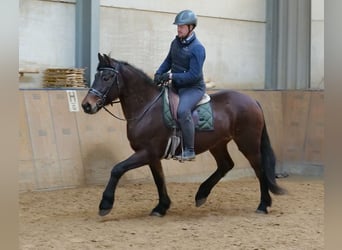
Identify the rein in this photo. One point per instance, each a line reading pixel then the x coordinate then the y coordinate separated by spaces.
pixel 115 116
pixel 104 96
pixel 142 114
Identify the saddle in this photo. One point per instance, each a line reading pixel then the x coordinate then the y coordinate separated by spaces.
pixel 173 99
pixel 202 116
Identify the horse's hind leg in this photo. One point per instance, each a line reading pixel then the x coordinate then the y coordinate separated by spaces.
pixel 224 164
pixel 252 152
pixel 265 198
pixel 159 179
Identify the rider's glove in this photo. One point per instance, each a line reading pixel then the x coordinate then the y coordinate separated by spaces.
pixel 164 77
pixel 156 79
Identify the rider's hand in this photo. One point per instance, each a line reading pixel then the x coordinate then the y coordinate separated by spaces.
pixel 164 77
pixel 156 79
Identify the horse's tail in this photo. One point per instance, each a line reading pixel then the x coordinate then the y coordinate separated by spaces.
pixel 268 162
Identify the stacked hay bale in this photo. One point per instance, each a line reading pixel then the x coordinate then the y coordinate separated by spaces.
pixel 64 77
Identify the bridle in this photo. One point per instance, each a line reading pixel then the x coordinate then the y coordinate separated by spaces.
pixel 102 96
pixel 101 102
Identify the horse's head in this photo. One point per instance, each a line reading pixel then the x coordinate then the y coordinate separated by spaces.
pixel 105 88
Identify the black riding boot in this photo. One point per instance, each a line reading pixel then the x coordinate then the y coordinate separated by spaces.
pixel 188 134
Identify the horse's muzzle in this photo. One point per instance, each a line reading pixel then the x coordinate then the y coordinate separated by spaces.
pixel 86 107
pixel 92 102
pixel 89 109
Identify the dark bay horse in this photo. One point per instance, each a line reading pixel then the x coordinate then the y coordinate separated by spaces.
pixel 236 117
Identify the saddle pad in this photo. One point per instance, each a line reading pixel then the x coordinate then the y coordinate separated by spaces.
pixel 202 116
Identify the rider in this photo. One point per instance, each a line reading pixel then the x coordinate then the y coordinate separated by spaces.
pixel 185 60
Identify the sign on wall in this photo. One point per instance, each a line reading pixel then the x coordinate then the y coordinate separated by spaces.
pixel 73 101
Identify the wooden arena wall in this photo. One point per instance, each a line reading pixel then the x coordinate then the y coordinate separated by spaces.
pixel 60 148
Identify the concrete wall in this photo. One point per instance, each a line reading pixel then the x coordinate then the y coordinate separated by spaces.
pixel 140 32
pixel 46 38
pixel 317 44
pixel 60 148
pixel 234 38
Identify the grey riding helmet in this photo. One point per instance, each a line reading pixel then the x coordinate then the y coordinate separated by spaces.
pixel 186 17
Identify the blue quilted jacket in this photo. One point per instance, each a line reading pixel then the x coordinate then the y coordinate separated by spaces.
pixel 185 60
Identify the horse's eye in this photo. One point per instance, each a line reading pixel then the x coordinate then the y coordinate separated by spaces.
pixel 106 78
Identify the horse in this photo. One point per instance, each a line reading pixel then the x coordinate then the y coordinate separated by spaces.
pixel 236 117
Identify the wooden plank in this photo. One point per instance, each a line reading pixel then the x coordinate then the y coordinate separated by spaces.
pixel 25 147
pixel 23 71
pixel 26 169
pixel 26 176
pixel 72 172
pixel 296 113
pixel 66 134
pixel 48 173
pixel 314 143
pixel 64 77
pixel 43 139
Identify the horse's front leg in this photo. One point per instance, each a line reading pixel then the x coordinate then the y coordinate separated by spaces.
pixel 159 179
pixel 136 160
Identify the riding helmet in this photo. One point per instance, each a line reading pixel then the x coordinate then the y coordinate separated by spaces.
pixel 186 17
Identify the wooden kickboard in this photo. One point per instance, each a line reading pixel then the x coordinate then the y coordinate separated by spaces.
pixel 314 143
pixel 26 169
pixel 296 114
pixel 43 140
pixel 67 142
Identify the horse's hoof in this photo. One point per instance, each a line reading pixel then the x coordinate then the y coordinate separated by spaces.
pixel 258 211
pixel 156 214
pixel 200 202
pixel 104 212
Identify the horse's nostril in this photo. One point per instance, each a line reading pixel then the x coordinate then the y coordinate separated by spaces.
pixel 86 107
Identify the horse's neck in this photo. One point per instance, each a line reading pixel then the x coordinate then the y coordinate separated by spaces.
pixel 136 98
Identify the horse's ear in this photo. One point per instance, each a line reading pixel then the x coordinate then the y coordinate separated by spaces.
pixel 106 59
pixel 100 57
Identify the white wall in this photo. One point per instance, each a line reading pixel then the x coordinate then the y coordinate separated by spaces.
pixel 47 33
pixel 235 49
pixel 235 9
pixel 317 44
pixel 140 32
pixel 46 37
pixel 233 33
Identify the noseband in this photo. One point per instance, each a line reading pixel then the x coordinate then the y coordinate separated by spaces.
pixel 103 96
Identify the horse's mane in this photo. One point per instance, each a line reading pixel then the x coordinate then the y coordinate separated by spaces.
pixel 139 71
pixel 142 74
